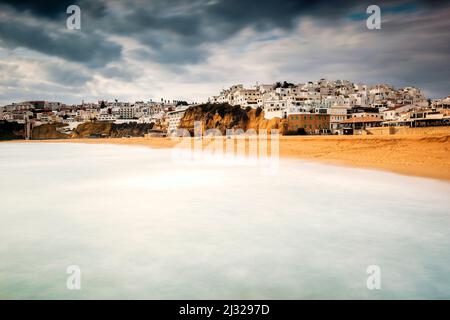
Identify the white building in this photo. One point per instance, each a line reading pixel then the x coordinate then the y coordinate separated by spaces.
pixel 393 113
pixel 106 117
pixel 127 112
pixel 174 119
pixel 275 109
pixel 337 114
pixel 246 98
pixel 442 103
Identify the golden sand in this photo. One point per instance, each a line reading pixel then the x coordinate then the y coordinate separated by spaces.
pixel 426 155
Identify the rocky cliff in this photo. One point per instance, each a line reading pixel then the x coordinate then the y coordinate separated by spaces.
pixel 14 130
pixel 109 129
pixel 90 129
pixel 48 131
pixel 130 129
pixel 224 116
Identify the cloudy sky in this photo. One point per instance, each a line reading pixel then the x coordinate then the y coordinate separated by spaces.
pixel 191 49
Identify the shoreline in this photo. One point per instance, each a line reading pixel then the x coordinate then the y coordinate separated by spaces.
pixel 425 156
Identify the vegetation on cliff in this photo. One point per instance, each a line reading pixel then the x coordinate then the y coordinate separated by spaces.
pixel 11 130
pixel 131 129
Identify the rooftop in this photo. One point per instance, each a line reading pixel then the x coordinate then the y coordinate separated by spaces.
pixel 361 120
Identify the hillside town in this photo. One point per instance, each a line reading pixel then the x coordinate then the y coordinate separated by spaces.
pixel 321 107
pixel 339 107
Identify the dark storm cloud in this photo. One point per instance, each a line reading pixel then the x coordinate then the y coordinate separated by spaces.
pixel 208 21
pixel 173 29
pixel 54 9
pixel 176 30
pixel 91 49
pixel 49 8
pixel 176 26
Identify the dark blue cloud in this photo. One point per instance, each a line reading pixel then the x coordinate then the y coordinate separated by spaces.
pixel 89 48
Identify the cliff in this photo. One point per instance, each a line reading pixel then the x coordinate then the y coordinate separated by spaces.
pixel 89 129
pixel 224 116
pixel 131 129
pixel 109 129
pixel 48 131
pixel 14 130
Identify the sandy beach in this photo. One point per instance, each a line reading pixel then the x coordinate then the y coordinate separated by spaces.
pixel 424 155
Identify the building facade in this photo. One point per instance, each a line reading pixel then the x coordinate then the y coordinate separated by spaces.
pixel 174 119
pixel 311 123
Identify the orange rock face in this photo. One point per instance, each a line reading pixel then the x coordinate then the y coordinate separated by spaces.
pixel 224 116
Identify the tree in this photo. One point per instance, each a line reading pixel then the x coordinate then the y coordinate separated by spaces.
pixel 287 85
pixel 182 103
pixel 283 85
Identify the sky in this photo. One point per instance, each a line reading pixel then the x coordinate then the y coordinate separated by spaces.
pixel 190 50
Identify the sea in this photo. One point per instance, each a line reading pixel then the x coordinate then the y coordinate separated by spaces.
pixel 91 221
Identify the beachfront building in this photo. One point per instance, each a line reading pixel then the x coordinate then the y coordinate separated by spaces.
pixel 310 123
pixel 174 119
pixel 365 112
pixel 426 117
pixel 393 113
pixel 359 123
pixel 338 113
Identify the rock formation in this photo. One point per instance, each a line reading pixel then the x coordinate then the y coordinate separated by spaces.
pixel 224 116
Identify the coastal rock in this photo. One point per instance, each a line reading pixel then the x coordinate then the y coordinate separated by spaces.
pixel 14 130
pixel 113 130
pixel 89 129
pixel 224 116
pixel 131 129
pixel 48 131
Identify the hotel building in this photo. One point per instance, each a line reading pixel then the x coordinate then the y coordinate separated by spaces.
pixel 174 119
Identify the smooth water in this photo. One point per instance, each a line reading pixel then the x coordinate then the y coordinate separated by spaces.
pixel 140 225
